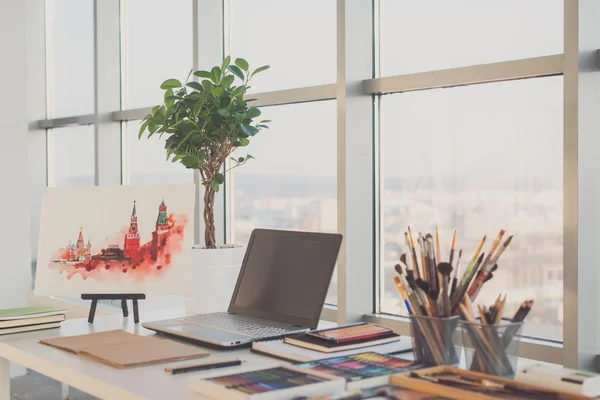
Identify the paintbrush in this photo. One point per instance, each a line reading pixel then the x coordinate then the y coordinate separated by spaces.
pixel 445 269
pixel 451 258
pixel 492 250
pixel 464 284
pixel 492 261
pixel 438 255
pixel 413 253
pixel 421 244
pixel 402 292
pixel 455 279
pixel 471 264
pixel 431 263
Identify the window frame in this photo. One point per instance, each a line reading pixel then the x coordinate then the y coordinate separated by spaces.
pixel 358 92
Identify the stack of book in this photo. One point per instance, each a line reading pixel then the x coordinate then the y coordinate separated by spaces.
pixel 15 320
pixel 342 340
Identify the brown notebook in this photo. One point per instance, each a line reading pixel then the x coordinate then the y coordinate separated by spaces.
pixel 123 350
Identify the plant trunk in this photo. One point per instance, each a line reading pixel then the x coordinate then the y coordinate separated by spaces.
pixel 210 240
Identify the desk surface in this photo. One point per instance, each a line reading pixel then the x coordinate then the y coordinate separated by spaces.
pixel 107 382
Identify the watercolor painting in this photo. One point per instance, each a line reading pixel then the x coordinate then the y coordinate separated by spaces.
pixel 125 239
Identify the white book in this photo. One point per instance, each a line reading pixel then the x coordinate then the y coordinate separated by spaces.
pixel 15 323
pixel 28 328
pixel 288 352
pixel 561 379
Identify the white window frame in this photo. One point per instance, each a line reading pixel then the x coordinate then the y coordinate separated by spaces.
pixel 358 92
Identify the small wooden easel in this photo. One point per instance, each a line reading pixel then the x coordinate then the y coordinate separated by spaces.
pixel 134 297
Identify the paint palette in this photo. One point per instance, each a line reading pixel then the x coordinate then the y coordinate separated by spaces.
pixel 367 368
pixel 272 383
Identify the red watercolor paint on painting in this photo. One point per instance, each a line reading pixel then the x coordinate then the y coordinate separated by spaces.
pixel 124 254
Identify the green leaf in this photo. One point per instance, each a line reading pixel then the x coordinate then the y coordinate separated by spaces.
pixel 217 91
pixel 197 108
pixel 177 157
pixel 155 109
pixel 244 142
pixel 189 161
pixel 143 128
pixel 260 69
pixel 249 100
pixel 227 80
pixel 264 121
pixel 208 85
pixel 262 126
pixel 168 100
pixel 253 112
pixel 243 64
pixel 234 69
pixel 170 83
pixel 219 178
pixel 202 74
pixel 226 62
pixel 214 185
pixel 246 129
pixel 223 112
pixel 215 74
pixel 249 157
pixel 241 159
pixel 195 85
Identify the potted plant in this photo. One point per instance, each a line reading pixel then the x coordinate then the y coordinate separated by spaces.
pixel 204 123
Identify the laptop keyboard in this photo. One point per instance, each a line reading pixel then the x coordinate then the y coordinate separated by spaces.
pixel 229 323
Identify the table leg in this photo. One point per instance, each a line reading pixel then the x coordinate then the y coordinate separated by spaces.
pixel 4 379
pixel 124 308
pixel 136 312
pixel 64 388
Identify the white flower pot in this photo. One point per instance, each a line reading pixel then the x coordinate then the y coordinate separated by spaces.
pixel 212 280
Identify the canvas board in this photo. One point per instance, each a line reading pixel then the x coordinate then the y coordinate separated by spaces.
pixel 115 239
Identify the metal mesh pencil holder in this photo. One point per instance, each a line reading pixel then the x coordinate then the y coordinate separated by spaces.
pixel 492 349
pixel 432 340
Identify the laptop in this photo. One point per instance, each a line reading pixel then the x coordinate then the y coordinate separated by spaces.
pixel 280 291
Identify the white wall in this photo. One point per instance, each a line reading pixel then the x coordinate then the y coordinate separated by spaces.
pixel 14 211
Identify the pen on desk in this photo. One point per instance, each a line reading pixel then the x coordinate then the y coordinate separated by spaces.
pixel 203 366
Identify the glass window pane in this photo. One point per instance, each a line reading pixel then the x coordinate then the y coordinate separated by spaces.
pixel 157 45
pixel 292 182
pixel 70 62
pixel 71 154
pixel 419 36
pixel 479 159
pixel 147 160
pixel 297 40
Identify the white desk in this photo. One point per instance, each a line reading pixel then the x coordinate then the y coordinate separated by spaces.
pixel 101 380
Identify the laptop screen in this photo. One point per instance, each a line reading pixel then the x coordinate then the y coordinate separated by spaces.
pixel 285 276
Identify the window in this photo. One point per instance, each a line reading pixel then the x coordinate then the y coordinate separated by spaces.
pixel 303 34
pixel 479 159
pixel 147 159
pixel 70 57
pixel 157 45
pixel 418 36
pixel 71 155
pixel 292 182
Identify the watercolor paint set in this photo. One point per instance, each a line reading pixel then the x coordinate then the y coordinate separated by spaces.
pixel 272 383
pixel 363 369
